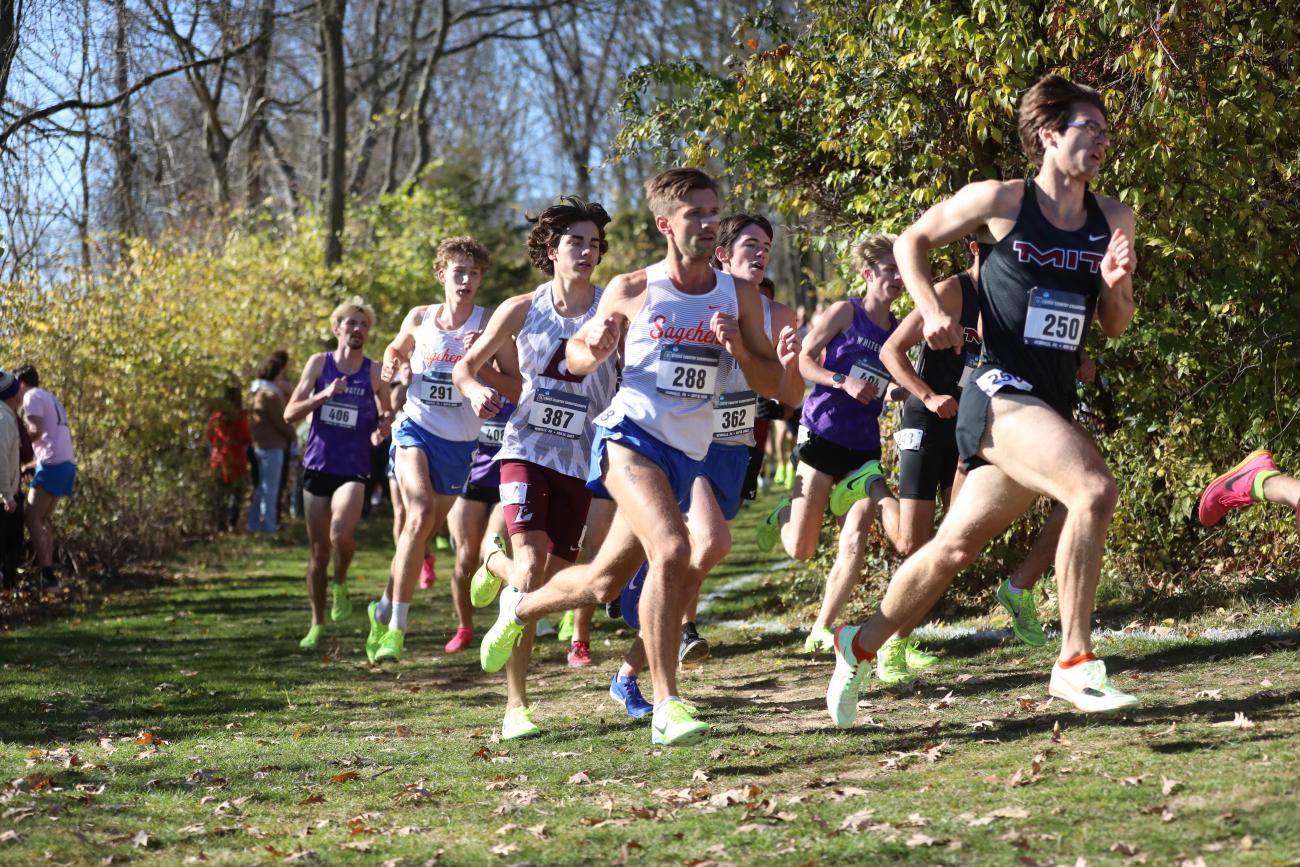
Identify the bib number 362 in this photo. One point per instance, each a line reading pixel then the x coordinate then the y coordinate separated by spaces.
pixel 733 416
pixel 689 372
pixel 1055 319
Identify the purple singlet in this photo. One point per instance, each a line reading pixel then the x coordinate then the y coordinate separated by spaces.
pixel 830 412
pixel 339 439
pixel 485 472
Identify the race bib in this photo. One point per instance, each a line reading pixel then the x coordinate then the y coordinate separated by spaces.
pixel 435 388
pixel 804 433
pixel 993 380
pixel 1055 319
pixel 559 413
pixel 733 416
pixel 909 438
pixel 689 372
pixel 870 371
pixel 339 415
pixel 492 432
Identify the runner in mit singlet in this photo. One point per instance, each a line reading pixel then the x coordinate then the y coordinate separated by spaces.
pixel 347 401
pixel 437 439
pixel 546 452
pixel 1052 254
pixel 685 325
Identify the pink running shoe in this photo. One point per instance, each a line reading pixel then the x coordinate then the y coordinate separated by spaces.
pixel 428 572
pixel 579 656
pixel 1232 489
pixel 459 641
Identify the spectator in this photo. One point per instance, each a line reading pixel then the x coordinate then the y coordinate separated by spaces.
pixel 292 459
pixel 11 501
pixel 230 436
pixel 271 439
pixel 56 468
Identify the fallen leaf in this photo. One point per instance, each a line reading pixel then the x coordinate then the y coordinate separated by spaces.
pixel 404 731
pixel 1131 781
pixel 946 701
pixel 9 837
pixel 344 776
pixel 579 779
pixel 700 776
pixel 1128 850
pixel 1168 786
pixel 919 839
pixel 302 856
pixel 312 799
pixel 504 849
pixel 358 845
pixel 1238 721
pixel 538 831
pixel 1212 694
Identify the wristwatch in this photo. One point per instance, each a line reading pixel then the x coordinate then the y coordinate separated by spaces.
pixel 838 379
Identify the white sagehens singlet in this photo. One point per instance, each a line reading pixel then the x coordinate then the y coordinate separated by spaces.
pixel 432 401
pixel 674 368
pixel 552 426
pixel 737 408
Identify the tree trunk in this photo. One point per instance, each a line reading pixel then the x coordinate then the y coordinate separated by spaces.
pixel 374 105
pixel 332 13
pixel 123 157
pixel 403 88
pixel 9 21
pixel 259 64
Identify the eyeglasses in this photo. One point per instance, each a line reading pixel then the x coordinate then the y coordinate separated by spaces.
pixel 1096 130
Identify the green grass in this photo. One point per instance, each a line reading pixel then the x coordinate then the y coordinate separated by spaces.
pixel 251 732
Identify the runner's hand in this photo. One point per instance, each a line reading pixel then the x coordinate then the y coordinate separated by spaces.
pixel 860 390
pixel 389 370
pixel 486 401
pixel 10 505
pixel 788 346
pixel 942 405
pixel 470 337
pixel 337 387
pixel 1087 371
pixel 604 339
pixel 1119 260
pixel 726 328
pixel 943 332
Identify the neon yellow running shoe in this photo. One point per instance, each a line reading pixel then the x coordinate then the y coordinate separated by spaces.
pixel 484 585
pixel 918 659
pixel 565 632
pixel 891 662
pixel 519 724
pixel 376 633
pixel 311 641
pixel 341 605
pixel 500 640
pixel 1024 614
pixel 675 725
pixel 853 487
pixel 390 646
pixel 441 543
pixel 769 530
pixel 819 639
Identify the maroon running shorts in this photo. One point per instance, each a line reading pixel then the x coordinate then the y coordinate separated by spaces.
pixel 536 498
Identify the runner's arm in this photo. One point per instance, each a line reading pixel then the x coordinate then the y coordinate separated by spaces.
pixel 601 335
pixel 908 334
pixel 400 349
pixel 832 322
pixel 753 350
pixel 383 402
pixel 302 402
pixel 792 384
pixel 1115 306
pixel 473 375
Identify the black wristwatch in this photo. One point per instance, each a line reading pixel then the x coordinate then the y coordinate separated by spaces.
pixel 838 379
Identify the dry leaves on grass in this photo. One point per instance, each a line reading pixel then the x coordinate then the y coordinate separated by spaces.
pixel 344 776
pixel 1239 721
pixel 580 779
pixel 1168 786
pixel 974 821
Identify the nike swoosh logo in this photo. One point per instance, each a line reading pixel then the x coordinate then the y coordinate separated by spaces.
pixel 663 730
pixel 715 306
pixel 1237 477
pixel 1097 237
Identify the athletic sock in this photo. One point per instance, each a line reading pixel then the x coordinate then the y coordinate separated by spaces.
pixel 511 602
pixel 1257 489
pixel 399 616
pixel 860 652
pixel 385 609
pixel 1013 589
pixel 660 704
pixel 1075 660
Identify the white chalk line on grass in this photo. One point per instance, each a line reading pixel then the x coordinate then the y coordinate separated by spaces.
pixel 982 635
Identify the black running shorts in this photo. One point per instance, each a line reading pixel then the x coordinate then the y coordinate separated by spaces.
pixel 927 452
pixel 833 459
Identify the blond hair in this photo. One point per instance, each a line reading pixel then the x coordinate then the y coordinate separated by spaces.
pixel 669 187
pixel 461 245
pixel 356 302
pixel 870 249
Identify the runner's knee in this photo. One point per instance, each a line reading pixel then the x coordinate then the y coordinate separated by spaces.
pixel 1097 494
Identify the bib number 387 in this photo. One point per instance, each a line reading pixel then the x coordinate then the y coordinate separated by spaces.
pixel 689 372
pixel 1055 319
pixel 559 413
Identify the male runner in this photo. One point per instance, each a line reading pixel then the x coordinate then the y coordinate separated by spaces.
pixel 685 325
pixel 546 451
pixel 56 468
pixel 347 401
pixel 1052 255
pixel 437 439
pixel 1255 480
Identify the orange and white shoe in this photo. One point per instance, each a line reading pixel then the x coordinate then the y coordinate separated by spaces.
pixel 1082 681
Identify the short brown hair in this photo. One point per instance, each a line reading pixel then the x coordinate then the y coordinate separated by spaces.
pixel 461 245
pixel 870 249
pixel 551 224
pixel 1048 105
pixel 671 186
pixel 731 227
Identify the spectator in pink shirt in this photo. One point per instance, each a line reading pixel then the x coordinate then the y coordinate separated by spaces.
pixel 56 468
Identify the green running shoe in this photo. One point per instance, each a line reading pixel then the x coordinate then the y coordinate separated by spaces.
pixel 819 639
pixel 390 646
pixel 518 724
pixel 311 641
pixel 770 528
pixel 484 585
pixel 500 640
pixel 674 725
pixel 891 662
pixel 853 487
pixel 565 632
pixel 441 543
pixel 376 633
pixel 1024 616
pixel 341 605
pixel 917 658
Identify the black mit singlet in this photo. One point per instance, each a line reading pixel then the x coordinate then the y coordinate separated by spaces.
pixel 1049 278
pixel 942 369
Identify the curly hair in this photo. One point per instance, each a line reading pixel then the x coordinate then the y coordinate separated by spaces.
pixel 555 221
pixel 461 245
pixel 731 227
pixel 1048 105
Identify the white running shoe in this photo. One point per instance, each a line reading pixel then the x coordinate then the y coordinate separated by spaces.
pixel 850 674
pixel 1086 687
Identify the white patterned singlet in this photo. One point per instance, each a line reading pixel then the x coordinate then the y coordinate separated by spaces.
pixel 433 401
pixel 553 425
pixel 674 368
pixel 737 408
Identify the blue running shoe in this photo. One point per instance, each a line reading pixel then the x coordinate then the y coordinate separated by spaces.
pixel 624 689
pixel 631 597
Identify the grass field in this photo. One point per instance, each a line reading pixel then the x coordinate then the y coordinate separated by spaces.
pixel 179 723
